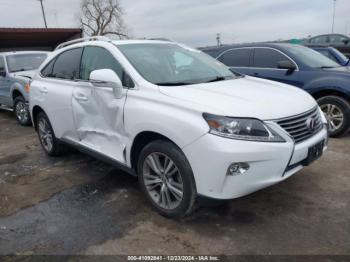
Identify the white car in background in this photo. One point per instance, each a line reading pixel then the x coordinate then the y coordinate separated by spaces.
pixel 177 118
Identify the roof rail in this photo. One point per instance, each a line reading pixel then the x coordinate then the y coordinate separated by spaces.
pixel 81 40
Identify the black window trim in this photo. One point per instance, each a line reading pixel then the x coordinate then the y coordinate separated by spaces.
pixel 4 60
pixel 252 57
pixel 238 48
pixel 54 62
pixel 79 79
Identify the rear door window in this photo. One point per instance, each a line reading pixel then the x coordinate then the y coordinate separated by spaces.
pixel 236 57
pixel 321 40
pixel 67 64
pixel 267 58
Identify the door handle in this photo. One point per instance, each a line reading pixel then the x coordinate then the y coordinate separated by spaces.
pixel 44 90
pixel 81 97
pixel 256 74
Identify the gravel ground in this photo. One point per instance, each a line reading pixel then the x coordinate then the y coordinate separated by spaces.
pixel 78 205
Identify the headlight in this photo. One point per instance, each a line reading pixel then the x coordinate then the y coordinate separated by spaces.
pixel 241 128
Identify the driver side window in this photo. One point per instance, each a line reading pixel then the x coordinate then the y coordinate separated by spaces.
pixel 95 58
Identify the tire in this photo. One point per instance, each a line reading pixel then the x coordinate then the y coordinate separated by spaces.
pixel 337 112
pixel 51 145
pixel 170 203
pixel 21 110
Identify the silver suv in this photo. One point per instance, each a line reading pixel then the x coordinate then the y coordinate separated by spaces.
pixel 16 71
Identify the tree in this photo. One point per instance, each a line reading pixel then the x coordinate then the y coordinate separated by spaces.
pixel 103 17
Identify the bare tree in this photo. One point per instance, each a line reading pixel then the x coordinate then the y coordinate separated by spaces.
pixel 103 17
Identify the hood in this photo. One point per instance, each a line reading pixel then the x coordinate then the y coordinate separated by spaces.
pixel 245 97
pixel 26 74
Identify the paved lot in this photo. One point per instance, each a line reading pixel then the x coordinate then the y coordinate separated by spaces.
pixel 77 205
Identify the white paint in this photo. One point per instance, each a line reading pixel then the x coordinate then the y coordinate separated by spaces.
pixel 93 117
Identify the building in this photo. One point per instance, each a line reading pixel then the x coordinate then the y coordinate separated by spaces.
pixel 16 39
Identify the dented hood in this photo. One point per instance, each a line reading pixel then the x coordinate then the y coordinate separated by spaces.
pixel 245 97
pixel 25 74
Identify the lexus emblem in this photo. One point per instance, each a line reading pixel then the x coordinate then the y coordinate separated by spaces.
pixel 311 124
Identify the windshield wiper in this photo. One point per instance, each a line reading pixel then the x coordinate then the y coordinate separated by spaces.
pixel 219 78
pixel 19 70
pixel 173 84
pixel 328 67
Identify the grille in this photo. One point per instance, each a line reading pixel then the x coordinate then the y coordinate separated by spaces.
pixel 299 126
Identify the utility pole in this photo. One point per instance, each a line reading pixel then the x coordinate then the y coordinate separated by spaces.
pixel 218 39
pixel 43 10
pixel 334 5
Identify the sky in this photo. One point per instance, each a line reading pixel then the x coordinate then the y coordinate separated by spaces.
pixel 196 22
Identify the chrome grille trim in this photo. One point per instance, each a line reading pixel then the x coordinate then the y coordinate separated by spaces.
pixel 297 126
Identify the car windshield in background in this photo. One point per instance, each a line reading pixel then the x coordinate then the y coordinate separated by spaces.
pixel 312 58
pixel 172 65
pixel 25 62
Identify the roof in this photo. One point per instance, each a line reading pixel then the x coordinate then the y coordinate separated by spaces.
pixel 328 35
pixel 22 52
pixel 18 38
pixel 216 51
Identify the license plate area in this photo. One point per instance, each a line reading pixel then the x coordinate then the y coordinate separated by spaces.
pixel 314 153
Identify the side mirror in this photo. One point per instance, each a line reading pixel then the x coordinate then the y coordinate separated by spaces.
pixel 2 72
pixel 286 64
pixel 346 41
pixel 107 78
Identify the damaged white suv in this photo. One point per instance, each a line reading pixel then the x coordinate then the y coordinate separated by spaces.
pixel 177 118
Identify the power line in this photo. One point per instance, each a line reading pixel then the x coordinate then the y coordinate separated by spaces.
pixel 43 10
pixel 335 2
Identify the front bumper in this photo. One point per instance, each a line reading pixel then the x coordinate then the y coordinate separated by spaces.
pixel 270 163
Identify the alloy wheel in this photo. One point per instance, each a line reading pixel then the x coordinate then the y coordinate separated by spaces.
pixel 22 112
pixel 163 180
pixel 45 134
pixel 334 116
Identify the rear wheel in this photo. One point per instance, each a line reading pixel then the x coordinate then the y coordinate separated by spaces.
pixel 167 179
pixel 21 111
pixel 337 112
pixel 51 145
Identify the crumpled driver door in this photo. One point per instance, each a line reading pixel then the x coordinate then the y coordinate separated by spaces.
pixel 98 117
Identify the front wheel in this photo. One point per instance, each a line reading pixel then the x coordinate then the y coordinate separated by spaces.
pixel 21 111
pixel 337 112
pixel 51 145
pixel 167 179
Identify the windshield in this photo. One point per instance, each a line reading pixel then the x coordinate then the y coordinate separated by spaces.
pixel 312 58
pixel 25 62
pixel 171 64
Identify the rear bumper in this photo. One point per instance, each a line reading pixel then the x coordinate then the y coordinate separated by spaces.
pixel 270 163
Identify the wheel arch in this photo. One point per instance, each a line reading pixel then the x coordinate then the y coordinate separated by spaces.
pixel 16 93
pixel 140 141
pixel 36 110
pixel 331 92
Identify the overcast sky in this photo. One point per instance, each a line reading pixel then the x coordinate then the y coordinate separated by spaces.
pixel 196 22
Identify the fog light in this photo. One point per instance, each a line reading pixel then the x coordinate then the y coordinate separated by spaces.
pixel 237 169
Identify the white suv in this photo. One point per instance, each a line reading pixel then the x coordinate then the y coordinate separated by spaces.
pixel 178 119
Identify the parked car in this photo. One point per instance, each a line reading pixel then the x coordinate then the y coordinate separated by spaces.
pixel 325 80
pixel 340 42
pixel 16 71
pixel 333 54
pixel 181 121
